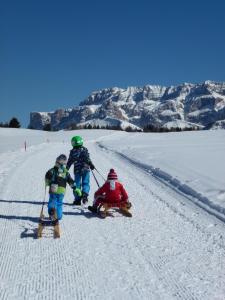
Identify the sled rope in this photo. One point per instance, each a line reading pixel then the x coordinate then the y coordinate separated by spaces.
pixel 95 179
pixel 100 174
pixel 43 203
pixel 40 224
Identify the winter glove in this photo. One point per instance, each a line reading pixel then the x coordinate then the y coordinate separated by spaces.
pixel 78 192
pixel 92 167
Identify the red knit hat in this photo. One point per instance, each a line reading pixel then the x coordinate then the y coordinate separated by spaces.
pixel 112 175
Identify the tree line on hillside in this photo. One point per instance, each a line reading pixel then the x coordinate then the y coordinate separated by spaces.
pixel 48 127
pixel 13 123
pixel 105 127
pixel 147 128
pixel 153 128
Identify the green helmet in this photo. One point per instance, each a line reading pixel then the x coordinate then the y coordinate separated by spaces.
pixel 77 141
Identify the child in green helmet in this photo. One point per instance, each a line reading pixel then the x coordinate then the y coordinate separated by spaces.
pixel 79 157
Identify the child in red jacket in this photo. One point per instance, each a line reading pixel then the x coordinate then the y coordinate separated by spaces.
pixel 112 194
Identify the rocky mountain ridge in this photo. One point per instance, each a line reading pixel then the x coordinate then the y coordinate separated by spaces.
pixel 191 105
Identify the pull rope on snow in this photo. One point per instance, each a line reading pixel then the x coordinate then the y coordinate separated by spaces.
pixel 95 178
pixel 100 174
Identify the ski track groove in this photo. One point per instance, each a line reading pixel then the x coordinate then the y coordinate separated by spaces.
pixel 50 264
pixel 170 205
pixel 68 264
pixel 135 253
pixel 181 291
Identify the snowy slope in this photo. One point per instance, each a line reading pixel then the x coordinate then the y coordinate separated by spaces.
pixel 170 249
pixel 192 162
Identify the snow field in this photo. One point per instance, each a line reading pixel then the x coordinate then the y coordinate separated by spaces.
pixel 170 249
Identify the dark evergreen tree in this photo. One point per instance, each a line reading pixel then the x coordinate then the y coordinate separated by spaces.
pixel 14 123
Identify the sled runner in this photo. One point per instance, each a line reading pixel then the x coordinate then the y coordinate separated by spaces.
pixel 103 209
pixel 46 222
pixel 123 209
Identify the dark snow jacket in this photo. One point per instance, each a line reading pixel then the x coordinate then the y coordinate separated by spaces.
pixel 57 178
pixel 80 158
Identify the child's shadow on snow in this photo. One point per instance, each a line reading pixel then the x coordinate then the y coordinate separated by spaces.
pixel 23 218
pixel 29 233
pixel 21 202
pixel 80 212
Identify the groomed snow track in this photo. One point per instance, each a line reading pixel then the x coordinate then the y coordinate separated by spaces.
pixel 170 249
pixel 173 183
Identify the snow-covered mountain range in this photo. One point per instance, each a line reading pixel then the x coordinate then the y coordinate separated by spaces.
pixel 186 105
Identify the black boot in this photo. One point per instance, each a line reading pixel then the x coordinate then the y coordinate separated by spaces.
pixel 93 209
pixel 77 201
pixel 84 198
pixel 52 213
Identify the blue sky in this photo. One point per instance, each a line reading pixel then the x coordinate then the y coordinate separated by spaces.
pixel 55 53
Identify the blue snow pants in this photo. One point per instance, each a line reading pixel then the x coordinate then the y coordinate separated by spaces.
pixel 82 181
pixel 56 201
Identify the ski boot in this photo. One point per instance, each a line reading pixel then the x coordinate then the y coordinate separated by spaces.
pixel 77 194
pixel 93 209
pixel 77 201
pixel 84 197
pixel 52 214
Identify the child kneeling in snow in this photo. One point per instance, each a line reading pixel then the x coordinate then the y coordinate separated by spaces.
pixel 57 178
pixel 111 194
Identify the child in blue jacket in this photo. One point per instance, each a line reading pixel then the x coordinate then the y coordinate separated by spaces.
pixel 80 158
pixel 57 178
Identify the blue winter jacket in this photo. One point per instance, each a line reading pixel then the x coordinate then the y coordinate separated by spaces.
pixel 79 156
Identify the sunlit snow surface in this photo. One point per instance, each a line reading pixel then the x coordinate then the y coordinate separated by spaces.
pixel 170 249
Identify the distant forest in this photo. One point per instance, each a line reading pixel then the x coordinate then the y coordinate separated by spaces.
pixel 13 123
